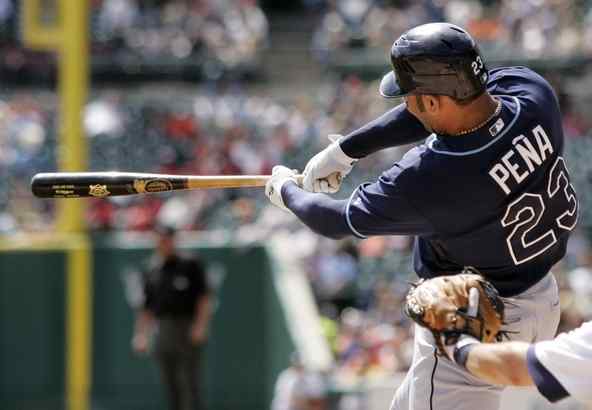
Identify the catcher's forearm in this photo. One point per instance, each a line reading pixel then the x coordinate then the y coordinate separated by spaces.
pixel 500 363
pixel 395 128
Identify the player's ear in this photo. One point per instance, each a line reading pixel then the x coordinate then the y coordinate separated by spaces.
pixel 433 103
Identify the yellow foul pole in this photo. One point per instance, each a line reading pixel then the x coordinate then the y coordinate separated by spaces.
pixel 68 36
pixel 73 89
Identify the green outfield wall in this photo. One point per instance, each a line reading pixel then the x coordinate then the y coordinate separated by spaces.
pixel 249 341
pixel 32 330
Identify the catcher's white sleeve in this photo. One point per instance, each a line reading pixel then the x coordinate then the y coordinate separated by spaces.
pixel 563 366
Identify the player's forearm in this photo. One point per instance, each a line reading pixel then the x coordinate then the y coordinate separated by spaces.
pixel 144 321
pixel 202 313
pixel 501 364
pixel 321 213
pixel 395 128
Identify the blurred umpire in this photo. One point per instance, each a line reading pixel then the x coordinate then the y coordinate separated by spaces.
pixel 177 301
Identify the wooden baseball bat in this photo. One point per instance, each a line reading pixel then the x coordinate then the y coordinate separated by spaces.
pixel 104 184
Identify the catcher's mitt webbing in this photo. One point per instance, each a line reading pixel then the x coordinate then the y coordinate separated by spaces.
pixel 441 305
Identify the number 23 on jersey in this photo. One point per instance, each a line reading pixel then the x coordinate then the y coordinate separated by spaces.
pixel 550 211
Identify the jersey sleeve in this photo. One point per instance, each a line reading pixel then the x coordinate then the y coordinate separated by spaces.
pixel 561 367
pixel 525 84
pixel 384 208
pixel 394 128
pixel 198 273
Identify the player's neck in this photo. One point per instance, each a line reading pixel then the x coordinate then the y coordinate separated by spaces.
pixel 475 115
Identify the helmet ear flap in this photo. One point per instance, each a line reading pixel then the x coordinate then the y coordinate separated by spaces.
pixel 407 67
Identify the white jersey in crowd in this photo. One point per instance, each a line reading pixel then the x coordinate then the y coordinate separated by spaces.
pixel 296 387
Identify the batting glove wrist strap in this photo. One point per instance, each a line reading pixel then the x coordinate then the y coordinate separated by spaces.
pixel 337 153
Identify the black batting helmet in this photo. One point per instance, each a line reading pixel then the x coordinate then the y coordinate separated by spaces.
pixel 435 58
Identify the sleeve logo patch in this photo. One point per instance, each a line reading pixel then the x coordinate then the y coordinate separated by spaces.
pixel 496 127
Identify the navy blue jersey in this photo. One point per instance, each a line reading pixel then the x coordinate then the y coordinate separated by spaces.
pixel 498 199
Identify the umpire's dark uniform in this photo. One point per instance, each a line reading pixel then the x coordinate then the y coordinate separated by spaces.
pixel 173 288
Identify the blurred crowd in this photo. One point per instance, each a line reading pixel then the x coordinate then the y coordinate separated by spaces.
pixel 171 130
pixel 360 288
pixel 131 36
pixel 505 29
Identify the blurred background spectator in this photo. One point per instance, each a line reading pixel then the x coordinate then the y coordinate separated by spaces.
pixel 300 388
pixel 173 323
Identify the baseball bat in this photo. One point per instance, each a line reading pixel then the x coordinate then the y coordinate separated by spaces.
pixel 104 184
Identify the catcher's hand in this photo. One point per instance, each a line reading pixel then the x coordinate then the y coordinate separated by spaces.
pixel 450 306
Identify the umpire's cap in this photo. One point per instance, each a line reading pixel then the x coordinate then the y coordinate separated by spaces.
pixel 435 58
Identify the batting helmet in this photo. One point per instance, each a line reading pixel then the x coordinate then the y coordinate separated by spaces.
pixel 435 58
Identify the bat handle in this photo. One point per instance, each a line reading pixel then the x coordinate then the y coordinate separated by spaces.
pixel 299 179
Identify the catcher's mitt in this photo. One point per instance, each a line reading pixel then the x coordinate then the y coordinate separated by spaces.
pixel 441 304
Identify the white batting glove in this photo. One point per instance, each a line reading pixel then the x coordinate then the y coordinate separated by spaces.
pixel 325 171
pixel 464 340
pixel 273 189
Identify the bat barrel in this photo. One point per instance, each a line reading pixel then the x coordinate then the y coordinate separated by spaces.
pixel 101 184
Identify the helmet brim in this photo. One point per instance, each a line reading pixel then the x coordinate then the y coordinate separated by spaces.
pixel 389 88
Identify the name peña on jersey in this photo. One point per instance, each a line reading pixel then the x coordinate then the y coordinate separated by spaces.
pixel 516 164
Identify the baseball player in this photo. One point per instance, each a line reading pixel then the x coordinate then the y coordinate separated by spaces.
pixel 488 188
pixel 559 368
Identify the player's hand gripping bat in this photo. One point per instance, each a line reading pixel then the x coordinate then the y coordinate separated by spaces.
pixel 103 184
